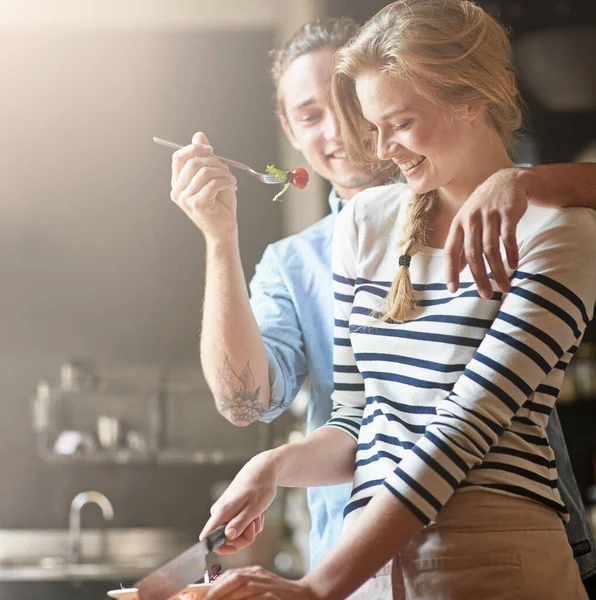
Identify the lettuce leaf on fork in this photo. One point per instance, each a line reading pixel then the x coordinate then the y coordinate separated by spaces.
pixel 277 173
pixel 281 176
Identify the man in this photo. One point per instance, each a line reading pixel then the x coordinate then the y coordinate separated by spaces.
pixel 256 352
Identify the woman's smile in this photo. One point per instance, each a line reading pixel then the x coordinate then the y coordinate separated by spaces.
pixel 410 167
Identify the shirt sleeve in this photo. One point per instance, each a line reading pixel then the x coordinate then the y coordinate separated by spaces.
pixel 543 316
pixel 348 385
pixel 275 313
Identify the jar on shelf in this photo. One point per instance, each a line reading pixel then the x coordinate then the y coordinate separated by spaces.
pixel 568 391
pixel 585 371
pixel 77 375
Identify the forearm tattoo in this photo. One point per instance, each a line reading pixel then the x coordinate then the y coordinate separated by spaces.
pixel 237 397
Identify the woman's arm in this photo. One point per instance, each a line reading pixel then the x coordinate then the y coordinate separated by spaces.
pixel 367 545
pixel 493 211
pixel 378 534
pixel 325 457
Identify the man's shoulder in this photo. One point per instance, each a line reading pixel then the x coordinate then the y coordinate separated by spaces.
pixel 314 235
pixel 379 201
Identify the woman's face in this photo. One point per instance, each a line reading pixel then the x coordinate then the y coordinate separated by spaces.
pixel 426 141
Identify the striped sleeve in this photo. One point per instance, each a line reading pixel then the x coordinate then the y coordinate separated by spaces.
pixel 348 394
pixel 545 313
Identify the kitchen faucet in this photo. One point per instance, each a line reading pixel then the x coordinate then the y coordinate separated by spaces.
pixel 74 523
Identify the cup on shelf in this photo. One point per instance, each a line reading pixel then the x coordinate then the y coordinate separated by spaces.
pixel 108 432
pixel 135 441
pixel 585 371
pixel 72 443
pixel 77 375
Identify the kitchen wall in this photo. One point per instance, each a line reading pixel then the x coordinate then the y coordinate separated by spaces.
pixel 95 260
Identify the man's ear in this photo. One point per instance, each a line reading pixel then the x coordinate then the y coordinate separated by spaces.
pixel 285 125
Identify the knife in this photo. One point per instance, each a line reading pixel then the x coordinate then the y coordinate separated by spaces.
pixel 186 568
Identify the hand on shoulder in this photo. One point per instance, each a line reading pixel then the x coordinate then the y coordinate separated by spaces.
pixel 490 214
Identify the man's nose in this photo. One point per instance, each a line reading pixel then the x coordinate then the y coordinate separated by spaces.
pixel 332 130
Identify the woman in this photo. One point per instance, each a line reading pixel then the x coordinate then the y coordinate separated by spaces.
pixel 441 401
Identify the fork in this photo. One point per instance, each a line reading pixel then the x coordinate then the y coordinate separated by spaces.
pixel 263 177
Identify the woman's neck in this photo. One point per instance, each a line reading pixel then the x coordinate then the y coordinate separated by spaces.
pixel 490 157
pixel 486 158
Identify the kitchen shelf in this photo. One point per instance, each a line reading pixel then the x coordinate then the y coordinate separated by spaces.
pixel 119 457
pixel 174 457
pixel 172 412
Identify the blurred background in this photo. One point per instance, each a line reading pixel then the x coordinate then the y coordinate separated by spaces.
pixel 102 275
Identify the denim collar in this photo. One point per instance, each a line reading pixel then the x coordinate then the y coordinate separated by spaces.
pixel 336 203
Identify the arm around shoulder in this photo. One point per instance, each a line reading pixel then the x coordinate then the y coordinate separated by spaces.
pixel 562 185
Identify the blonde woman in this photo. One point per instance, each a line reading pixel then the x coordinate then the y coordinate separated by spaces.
pixel 441 400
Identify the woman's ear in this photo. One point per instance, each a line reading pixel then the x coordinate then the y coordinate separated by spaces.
pixel 285 125
pixel 471 112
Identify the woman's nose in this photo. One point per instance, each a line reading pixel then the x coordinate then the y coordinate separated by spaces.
pixel 385 147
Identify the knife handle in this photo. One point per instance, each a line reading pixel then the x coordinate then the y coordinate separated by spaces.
pixel 217 538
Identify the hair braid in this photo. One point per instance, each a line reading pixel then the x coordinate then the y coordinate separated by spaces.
pixel 400 301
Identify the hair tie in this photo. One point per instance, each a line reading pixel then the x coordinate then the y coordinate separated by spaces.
pixel 404 260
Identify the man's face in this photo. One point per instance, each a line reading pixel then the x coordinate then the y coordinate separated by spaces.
pixel 311 125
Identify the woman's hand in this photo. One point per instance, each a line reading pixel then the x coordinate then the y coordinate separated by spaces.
pixel 257 583
pixel 243 504
pixel 246 538
pixel 204 188
pixel 491 213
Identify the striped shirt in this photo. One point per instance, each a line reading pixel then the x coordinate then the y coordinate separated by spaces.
pixel 458 397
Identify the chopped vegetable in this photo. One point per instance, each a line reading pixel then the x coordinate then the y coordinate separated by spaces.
pixel 280 175
pixel 215 570
pixel 283 189
pixel 297 177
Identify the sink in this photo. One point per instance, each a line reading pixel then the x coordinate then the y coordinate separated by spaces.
pixel 118 553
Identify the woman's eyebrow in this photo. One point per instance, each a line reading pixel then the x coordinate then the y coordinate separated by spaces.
pixel 395 111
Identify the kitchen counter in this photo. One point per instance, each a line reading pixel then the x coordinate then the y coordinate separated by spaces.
pixel 106 555
pixel 79 572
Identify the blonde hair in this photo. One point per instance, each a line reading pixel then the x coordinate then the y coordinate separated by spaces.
pixel 320 33
pixel 450 51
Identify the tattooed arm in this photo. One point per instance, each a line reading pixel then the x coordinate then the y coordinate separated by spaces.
pixel 233 354
pixel 236 397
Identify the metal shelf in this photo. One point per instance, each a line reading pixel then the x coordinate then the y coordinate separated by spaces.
pixel 174 413
pixel 118 457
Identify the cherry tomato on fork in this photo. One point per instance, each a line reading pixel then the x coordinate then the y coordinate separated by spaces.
pixel 298 177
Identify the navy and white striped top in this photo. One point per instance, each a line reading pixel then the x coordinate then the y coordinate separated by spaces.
pixel 457 398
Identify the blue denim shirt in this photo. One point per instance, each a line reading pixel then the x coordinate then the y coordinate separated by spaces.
pixel 292 299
